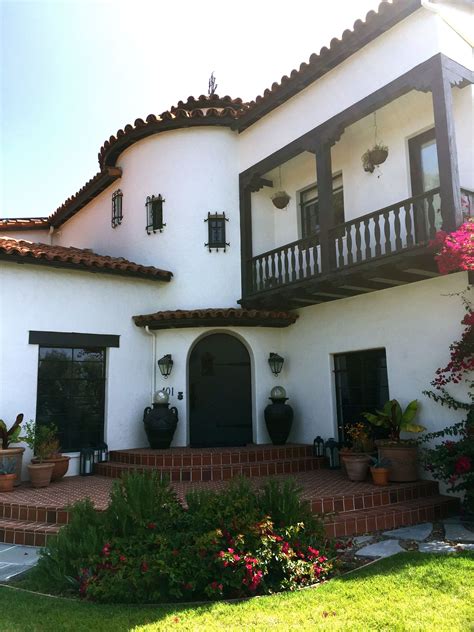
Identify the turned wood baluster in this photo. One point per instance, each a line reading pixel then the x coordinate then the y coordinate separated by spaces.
pixel 267 271
pixel 307 254
pixel 315 258
pixel 398 240
pixel 358 241
pixel 285 265
pixel 408 224
pixel 300 263
pixel 350 258
pixel 293 263
pixel 431 217
pixel 260 273
pixel 280 269
pixel 386 230
pixel 368 251
pixel 340 250
pixel 273 267
pixel 378 247
pixel 254 275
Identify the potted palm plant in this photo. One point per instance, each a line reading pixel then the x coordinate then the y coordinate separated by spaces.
pixel 402 453
pixel 9 436
pixel 41 438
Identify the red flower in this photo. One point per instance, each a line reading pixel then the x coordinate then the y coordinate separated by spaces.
pixel 144 567
pixel 151 525
pixel 462 465
pixel 122 558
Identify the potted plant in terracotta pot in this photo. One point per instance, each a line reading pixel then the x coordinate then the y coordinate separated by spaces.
pixel 7 474
pixel 402 454
pixel 356 458
pixel 43 441
pixel 9 436
pixel 60 461
pixel 380 471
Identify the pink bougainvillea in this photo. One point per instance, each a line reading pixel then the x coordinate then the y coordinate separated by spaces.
pixel 455 251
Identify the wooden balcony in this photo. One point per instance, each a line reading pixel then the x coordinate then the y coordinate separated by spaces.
pixel 383 249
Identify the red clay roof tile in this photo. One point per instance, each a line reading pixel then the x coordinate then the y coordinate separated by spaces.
pixel 215 316
pixel 24 223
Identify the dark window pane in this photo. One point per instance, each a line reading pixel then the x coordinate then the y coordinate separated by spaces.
pixel 309 207
pixel 55 353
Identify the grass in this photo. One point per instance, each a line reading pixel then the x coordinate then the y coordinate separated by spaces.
pixel 411 591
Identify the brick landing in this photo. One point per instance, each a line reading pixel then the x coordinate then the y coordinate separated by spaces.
pixel 30 516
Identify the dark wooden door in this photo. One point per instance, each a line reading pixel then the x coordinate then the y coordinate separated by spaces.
pixel 220 392
pixel 424 175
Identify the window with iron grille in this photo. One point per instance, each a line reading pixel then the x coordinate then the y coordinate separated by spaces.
pixel 154 214
pixel 216 231
pixel 309 207
pixel 117 208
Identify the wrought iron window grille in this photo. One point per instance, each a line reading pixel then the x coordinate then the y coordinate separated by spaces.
pixel 117 214
pixel 216 231
pixel 154 214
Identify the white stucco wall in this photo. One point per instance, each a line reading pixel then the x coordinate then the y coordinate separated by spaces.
pixel 195 170
pixel 65 301
pixel 409 43
pixel 415 323
pixel 41 236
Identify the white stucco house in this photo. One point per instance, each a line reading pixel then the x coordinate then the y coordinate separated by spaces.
pixel 176 247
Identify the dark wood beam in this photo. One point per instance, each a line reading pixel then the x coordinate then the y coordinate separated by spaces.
pixel 245 235
pixel 325 200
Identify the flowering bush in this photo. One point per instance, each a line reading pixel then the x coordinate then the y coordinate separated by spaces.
pixel 147 548
pixel 359 436
pixel 455 251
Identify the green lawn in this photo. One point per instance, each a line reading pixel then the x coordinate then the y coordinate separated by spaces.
pixel 411 591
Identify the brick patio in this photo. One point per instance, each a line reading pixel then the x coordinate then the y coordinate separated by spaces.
pixel 29 516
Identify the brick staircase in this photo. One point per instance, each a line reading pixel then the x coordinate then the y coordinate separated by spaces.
pixel 31 516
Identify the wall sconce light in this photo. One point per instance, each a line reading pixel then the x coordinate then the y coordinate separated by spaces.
pixel 165 365
pixel 276 363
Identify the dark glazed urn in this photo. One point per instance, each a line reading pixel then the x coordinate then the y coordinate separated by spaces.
pixel 278 417
pixel 160 424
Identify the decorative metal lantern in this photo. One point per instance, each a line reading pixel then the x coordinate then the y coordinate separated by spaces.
pixel 165 365
pixel 318 446
pixel 87 461
pixel 276 363
pixel 102 452
pixel 331 448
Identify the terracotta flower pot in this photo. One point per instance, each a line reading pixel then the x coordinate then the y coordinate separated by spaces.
pixel 40 473
pixel 17 454
pixel 380 475
pixel 357 466
pixel 403 461
pixel 6 482
pixel 61 466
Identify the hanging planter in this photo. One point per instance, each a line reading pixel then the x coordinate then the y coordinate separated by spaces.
pixel 280 199
pixel 374 157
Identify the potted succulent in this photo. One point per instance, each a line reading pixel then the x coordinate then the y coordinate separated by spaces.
pixel 402 454
pixel 41 438
pixel 380 471
pixel 7 473
pixel 9 436
pixel 374 157
pixel 356 458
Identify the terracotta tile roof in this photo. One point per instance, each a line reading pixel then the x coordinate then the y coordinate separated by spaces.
pixel 21 251
pixel 212 317
pixel 203 110
pixel 23 223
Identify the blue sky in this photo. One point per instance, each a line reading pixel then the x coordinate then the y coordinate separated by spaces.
pixel 75 71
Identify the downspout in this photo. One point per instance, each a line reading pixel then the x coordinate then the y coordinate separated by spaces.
pixel 51 232
pixel 153 355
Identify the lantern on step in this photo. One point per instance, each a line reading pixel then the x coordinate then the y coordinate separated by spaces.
pixel 87 460
pixel 331 449
pixel 318 446
pixel 102 452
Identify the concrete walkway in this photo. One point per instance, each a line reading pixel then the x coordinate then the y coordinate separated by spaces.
pixel 15 559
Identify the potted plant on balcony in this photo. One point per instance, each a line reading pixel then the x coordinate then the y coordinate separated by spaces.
pixel 374 157
pixel 380 471
pixel 402 454
pixel 7 473
pixel 356 458
pixel 41 438
pixel 9 436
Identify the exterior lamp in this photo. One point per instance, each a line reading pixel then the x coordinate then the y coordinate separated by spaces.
pixel 87 460
pixel 276 363
pixel 318 446
pixel 102 452
pixel 165 365
pixel 331 448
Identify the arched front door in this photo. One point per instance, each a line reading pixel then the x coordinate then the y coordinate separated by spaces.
pixel 220 392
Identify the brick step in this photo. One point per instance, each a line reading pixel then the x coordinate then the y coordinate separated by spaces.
pixel 32 513
pixel 202 457
pixel 407 513
pixel 25 532
pixel 367 496
pixel 214 472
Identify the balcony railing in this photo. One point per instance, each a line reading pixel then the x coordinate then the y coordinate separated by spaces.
pixel 391 230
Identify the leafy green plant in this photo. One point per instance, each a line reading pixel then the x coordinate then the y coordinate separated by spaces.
pixel 42 439
pixel 379 463
pixel 7 466
pixel 396 420
pixel 12 434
